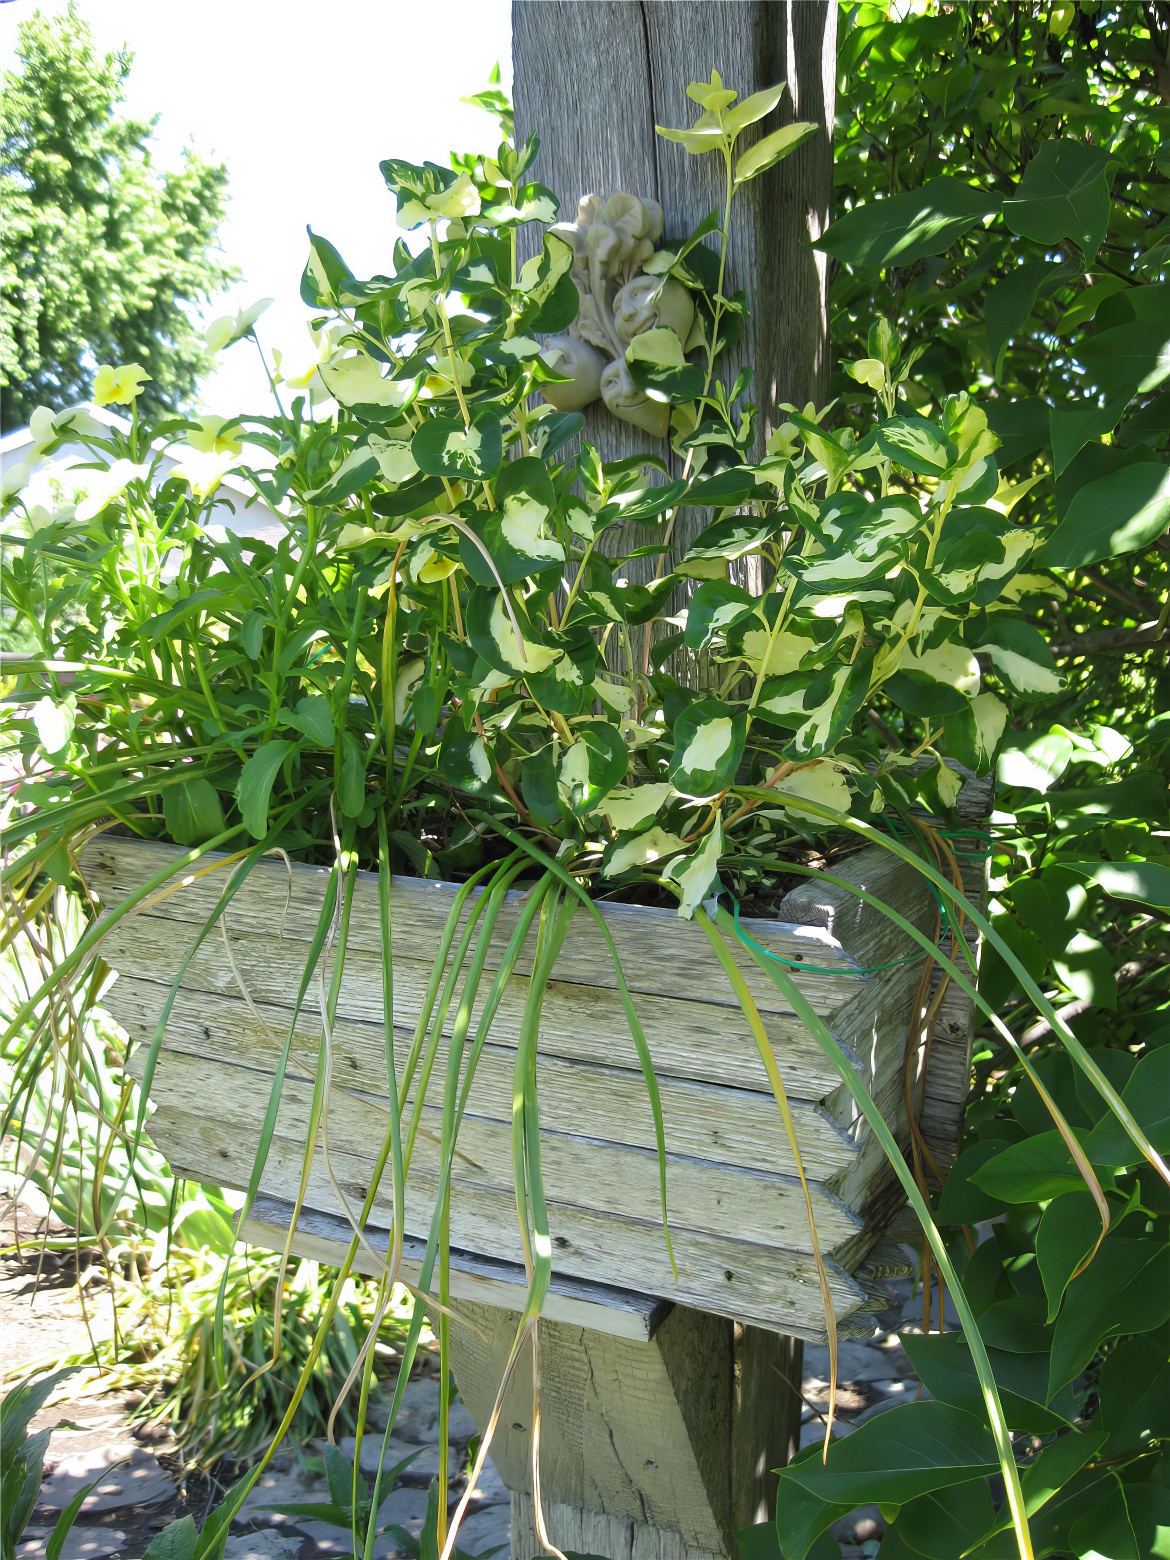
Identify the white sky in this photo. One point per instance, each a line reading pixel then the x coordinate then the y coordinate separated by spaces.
pixel 301 99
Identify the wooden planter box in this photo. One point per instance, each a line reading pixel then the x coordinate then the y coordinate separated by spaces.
pixel 737 1215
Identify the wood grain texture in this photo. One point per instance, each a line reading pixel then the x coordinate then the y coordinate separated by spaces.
pixel 729 1277
pixel 765 1418
pixel 732 1126
pixel 662 955
pixel 633 62
pixel 868 934
pixel 578 1530
pixel 632 1431
pixel 578 1172
pixel 686 1039
pixel 324 1237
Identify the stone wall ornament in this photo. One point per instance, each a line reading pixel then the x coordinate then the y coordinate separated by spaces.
pixel 612 242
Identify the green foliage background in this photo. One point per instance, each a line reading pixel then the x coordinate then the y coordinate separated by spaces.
pixel 1002 194
pixel 103 256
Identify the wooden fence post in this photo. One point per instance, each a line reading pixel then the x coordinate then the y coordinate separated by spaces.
pixel 704 1406
pixel 594 77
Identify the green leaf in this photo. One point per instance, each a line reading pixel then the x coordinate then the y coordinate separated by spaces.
pixel 175 1542
pixel 1010 303
pixel 1106 1533
pixel 708 745
pixel 1147 1097
pixel 192 811
pixel 1120 513
pixel 1134 356
pixel 752 109
pixel 1148 882
pixel 1037 763
pixel 943 1363
pixel 1063 194
pixel 1126 1288
pixel 1016 1325
pixel 946 1522
pixel 906 1452
pixel 1075 426
pixel 358 468
pixel 313 719
pixel 772 148
pixel 1149 1516
pixel 444 448
pixel 1133 1394
pixel 255 784
pixel 64 1523
pixel 735 485
pixel 592 766
pixel 538 784
pixel 802 1517
pixel 1035 1170
pixel 351 788
pixel 252 634
pixel 1087 968
pixel 905 228
pixel 1050 1480
pixel 916 445
pixel 1069 1229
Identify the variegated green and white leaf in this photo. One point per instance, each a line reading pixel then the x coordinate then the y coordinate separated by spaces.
pixel 629 809
pixel 358 381
pixel 464 759
pixel 524 526
pixel 782 698
pixel 394 458
pixel 593 765
pixel 493 636
pixel 640 850
pixel 709 738
pixel 950 663
pixel 1020 656
pixel 831 702
pixel 821 781
pixel 773 653
pixel 697 875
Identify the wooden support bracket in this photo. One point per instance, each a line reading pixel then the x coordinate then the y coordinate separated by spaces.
pixel 660 1425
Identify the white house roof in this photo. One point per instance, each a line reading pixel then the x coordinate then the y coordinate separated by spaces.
pixel 235 508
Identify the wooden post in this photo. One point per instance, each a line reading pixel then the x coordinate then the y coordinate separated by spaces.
pixel 661 1449
pixel 593 77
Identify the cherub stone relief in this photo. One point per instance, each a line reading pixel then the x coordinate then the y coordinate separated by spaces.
pixel 612 240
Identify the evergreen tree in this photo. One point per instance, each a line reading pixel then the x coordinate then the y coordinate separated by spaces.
pixel 102 254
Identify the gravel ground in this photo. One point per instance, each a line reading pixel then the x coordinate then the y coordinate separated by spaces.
pixel 146 1485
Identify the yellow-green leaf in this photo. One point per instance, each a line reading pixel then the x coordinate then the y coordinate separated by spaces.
pixel 753 108
pixel 781 143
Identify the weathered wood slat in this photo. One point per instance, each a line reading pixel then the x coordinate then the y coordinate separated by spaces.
pixel 686 1039
pixel 660 953
pixel 739 1279
pixel 869 934
pixel 734 1126
pixel 324 1237
pixel 578 1172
